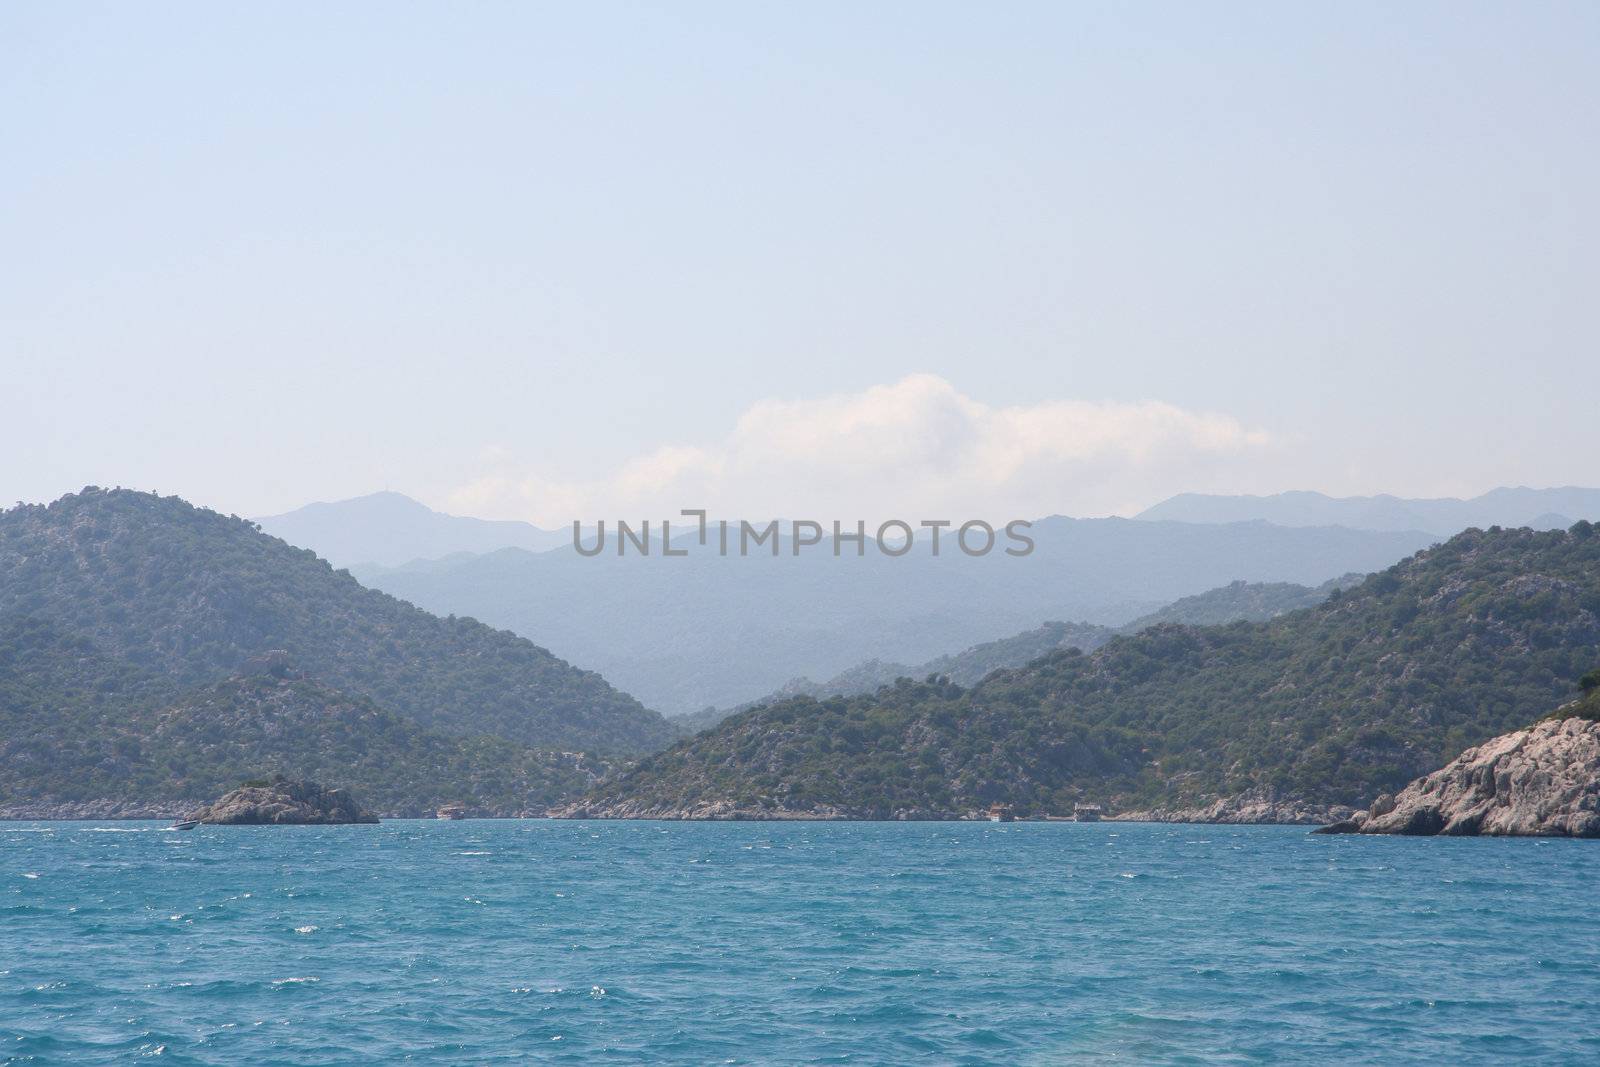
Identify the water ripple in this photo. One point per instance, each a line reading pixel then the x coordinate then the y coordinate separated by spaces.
pixel 801 943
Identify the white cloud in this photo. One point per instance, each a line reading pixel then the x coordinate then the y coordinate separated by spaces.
pixel 916 448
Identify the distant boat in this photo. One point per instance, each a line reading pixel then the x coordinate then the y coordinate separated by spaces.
pixel 1000 813
pixel 1086 812
pixel 451 811
pixel 186 824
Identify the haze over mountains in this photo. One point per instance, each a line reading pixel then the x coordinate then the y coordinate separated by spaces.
pixel 390 529
pixel 1235 602
pixel 1542 509
pixel 660 628
pixel 684 634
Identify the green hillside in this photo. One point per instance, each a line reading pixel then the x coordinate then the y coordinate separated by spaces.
pixel 964 668
pixel 77 725
pixel 189 595
pixel 1333 703
pixel 1242 601
pixel 1252 601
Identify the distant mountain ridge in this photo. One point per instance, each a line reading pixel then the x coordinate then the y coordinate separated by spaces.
pixel 1541 509
pixel 390 529
pixel 687 633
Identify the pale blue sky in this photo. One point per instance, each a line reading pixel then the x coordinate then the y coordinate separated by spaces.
pixel 528 260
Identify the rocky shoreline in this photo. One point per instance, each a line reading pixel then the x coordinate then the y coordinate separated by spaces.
pixel 276 802
pixel 106 810
pixel 716 811
pixel 1540 782
pixel 1255 807
pixel 93 810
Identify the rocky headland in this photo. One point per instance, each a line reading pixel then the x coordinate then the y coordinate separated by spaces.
pixel 1543 781
pixel 283 802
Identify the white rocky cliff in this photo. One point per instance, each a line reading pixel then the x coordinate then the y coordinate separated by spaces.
pixel 1543 781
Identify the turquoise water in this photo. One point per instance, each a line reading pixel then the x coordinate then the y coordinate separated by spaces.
pixel 562 942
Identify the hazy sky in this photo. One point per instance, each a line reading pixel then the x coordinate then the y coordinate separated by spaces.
pixel 537 261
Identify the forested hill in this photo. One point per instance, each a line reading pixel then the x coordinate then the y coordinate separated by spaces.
pixel 1248 601
pixel 1334 704
pixel 1254 601
pixel 963 668
pixel 190 595
pixel 84 734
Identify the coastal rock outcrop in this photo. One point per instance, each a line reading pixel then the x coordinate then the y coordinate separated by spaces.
pixel 1255 806
pixel 283 802
pixel 709 810
pixel 1543 781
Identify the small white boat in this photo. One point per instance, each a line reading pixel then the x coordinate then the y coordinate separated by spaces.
pixel 186 824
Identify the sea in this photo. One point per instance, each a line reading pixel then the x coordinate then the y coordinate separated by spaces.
pixel 540 941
